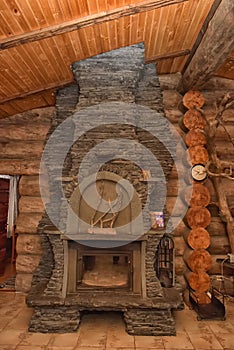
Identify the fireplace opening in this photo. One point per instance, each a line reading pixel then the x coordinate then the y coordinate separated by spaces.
pixel 105 270
pixel 117 270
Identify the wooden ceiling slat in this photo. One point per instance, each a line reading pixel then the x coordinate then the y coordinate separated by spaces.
pixel 93 7
pixel 113 34
pixel 134 28
pixel 47 9
pixel 11 25
pixel 76 44
pixel 90 40
pixel 10 65
pixel 17 14
pixel 48 70
pixel 39 14
pixel 28 76
pixel 146 31
pixel 52 55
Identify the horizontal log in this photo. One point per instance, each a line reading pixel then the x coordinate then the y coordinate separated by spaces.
pixel 227 116
pixel 169 81
pixel 23 282
pixel 180 266
pixel 19 167
pixel 37 115
pixel 171 99
pixel 216 266
pixel 31 205
pixel 21 149
pixel 180 229
pixel 29 186
pixel 172 187
pixel 173 115
pixel 198 217
pixel 27 263
pixel 180 246
pixel 27 222
pixel 221 133
pixel 216 227
pixel 34 132
pixel 180 279
pixel 218 84
pixel 176 208
pixel 198 238
pixel 199 281
pixel 28 244
pixel 219 245
pixel 198 259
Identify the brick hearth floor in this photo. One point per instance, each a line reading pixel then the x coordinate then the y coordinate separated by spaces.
pixel 105 331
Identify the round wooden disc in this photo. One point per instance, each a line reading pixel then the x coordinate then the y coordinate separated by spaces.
pixel 193 119
pixel 193 99
pixel 195 137
pixel 199 281
pixel 199 260
pixel 197 195
pixel 198 238
pixel 198 217
pixel 197 155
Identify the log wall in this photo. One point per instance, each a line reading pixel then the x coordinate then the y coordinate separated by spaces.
pixel 22 139
pixel 219 244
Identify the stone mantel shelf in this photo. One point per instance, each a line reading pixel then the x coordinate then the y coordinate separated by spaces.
pixel 112 301
pixel 93 237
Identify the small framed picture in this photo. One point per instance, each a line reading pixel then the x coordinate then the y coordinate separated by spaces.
pixel 157 219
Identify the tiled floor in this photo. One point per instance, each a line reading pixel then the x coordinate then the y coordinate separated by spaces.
pixel 106 331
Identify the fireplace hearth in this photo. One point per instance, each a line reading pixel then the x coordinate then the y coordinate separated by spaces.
pixel 101 256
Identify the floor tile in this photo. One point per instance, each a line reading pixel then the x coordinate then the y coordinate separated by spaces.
pixel 11 337
pixel 180 341
pixel 7 347
pixel 93 338
pixel 4 321
pixel 21 321
pixel 226 340
pixel 123 348
pixel 197 326
pixel 222 327
pixel 64 340
pixel 31 347
pixel 148 342
pixel 119 338
pixel 33 339
pixel 205 341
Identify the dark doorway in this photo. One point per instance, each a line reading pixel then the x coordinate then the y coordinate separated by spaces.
pixel 5 245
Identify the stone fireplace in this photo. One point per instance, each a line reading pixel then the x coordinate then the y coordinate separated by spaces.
pixel 99 247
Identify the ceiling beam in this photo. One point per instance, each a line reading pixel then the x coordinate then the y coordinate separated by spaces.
pixel 168 55
pixel 214 47
pixel 82 22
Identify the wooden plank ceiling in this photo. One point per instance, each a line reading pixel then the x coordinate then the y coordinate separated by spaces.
pixel 31 69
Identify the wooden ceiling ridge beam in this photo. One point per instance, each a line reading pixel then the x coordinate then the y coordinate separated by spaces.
pixel 214 47
pixel 86 21
pixel 173 54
